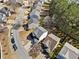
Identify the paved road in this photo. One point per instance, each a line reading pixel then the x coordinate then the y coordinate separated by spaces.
pixel 20 50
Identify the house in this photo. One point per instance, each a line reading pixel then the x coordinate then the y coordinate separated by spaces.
pixel 38 35
pixel 35 16
pixel 51 41
pixel 42 49
pixel 68 52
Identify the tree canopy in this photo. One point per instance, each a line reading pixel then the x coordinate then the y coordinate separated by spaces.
pixel 66 16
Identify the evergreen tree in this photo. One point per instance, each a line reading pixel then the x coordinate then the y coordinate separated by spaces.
pixel 66 16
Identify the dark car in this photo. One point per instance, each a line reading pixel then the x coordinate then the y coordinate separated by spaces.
pixel 12 40
pixel 25 27
pixel 14 47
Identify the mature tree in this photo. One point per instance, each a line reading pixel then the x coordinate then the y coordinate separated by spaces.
pixel 66 16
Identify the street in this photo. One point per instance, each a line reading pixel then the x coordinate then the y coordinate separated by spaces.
pixel 20 50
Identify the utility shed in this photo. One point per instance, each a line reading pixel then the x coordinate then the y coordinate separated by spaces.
pixel 51 41
pixel 40 33
pixel 35 16
pixel 68 52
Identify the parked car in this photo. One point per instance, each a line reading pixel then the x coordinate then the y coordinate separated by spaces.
pixel 12 40
pixel 25 27
pixel 14 47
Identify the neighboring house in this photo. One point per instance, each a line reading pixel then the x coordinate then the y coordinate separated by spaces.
pixel 35 16
pixel 40 33
pixel 68 52
pixel 51 41
pixel 45 47
pixel 36 9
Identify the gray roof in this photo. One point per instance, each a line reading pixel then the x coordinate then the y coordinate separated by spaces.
pixel 35 16
pixel 39 31
pixel 68 52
